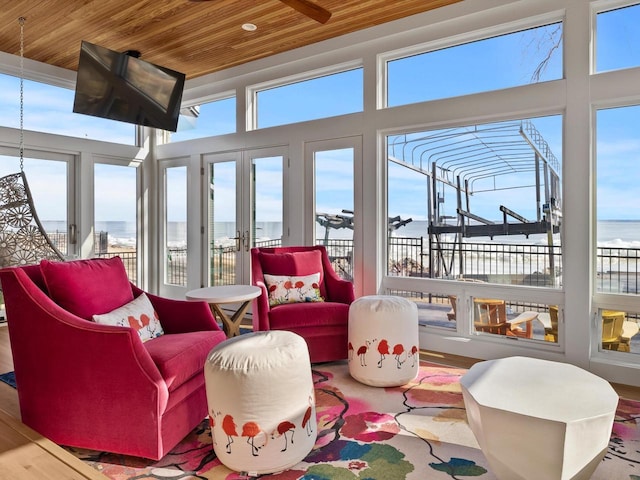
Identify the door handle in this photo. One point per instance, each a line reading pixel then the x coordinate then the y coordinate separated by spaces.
pixel 238 239
pixel 246 241
pixel 73 234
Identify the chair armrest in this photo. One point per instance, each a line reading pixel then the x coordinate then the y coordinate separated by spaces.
pixel 338 289
pixel 629 329
pixel 526 318
pixel 260 311
pixel 182 316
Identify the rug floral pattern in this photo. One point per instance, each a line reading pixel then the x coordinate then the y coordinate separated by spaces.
pixel 415 431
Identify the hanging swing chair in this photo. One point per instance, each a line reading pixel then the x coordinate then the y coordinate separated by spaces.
pixel 23 241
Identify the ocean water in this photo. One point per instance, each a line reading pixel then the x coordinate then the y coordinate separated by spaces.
pixel 123 234
pixel 611 233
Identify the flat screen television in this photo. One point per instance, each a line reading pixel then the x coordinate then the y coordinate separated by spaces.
pixel 119 86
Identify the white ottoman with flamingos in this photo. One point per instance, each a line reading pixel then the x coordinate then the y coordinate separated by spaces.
pixel 261 401
pixel 383 340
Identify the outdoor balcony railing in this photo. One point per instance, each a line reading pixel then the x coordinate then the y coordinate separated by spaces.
pixel 618 269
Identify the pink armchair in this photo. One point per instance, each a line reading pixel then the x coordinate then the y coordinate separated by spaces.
pixel 96 386
pixel 322 324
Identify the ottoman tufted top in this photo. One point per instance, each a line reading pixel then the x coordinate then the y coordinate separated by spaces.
pixel 383 303
pixel 271 349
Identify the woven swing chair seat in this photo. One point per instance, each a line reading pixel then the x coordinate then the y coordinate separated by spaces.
pixel 23 241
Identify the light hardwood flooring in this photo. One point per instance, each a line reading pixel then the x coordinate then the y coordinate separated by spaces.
pixel 26 455
pixel 625 391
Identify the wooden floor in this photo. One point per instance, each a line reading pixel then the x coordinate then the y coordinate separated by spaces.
pixel 625 391
pixel 25 455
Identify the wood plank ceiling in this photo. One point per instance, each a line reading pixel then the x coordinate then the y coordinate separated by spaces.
pixel 190 36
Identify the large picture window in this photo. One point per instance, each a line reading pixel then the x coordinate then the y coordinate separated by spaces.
pixel 479 204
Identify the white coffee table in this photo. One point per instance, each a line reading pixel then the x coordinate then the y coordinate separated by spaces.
pixel 225 294
pixel 536 419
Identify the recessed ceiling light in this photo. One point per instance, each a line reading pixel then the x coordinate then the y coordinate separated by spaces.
pixel 249 27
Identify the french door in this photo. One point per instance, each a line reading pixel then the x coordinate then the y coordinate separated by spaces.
pixel 244 209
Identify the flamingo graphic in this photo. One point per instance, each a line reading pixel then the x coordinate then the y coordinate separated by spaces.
pixel 350 351
pixel 383 350
pixel 138 323
pixel 307 416
pixel 251 430
pixel 398 350
pixel 229 427
pixel 282 430
pixel 414 353
pixel 362 351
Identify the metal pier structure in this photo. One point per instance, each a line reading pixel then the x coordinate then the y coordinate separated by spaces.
pixel 465 162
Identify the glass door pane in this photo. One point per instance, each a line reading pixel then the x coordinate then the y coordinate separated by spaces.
pixel 225 235
pixel 175 241
pixel 617 272
pixel 266 205
pixel 48 183
pixel 334 207
pixel 115 214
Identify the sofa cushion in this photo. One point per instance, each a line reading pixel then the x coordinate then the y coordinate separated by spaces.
pixel 294 264
pixel 293 289
pixel 180 356
pixel 293 315
pixel 138 314
pixel 87 287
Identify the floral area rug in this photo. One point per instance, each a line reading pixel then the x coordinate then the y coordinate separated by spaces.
pixel 416 431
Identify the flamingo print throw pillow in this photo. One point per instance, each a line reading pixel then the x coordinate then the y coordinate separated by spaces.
pixel 293 289
pixel 138 314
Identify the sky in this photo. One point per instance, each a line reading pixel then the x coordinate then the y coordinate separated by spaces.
pixel 496 63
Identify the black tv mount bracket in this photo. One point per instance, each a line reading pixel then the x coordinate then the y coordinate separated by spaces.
pixel 133 53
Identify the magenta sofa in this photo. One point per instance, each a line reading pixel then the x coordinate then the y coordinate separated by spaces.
pixel 99 387
pixel 323 325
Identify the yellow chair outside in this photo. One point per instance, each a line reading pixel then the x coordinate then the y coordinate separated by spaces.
pixel 617 331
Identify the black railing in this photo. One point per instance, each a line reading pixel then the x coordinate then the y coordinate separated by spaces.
pixel 618 269
pixel 223 265
pixel 223 261
pixel 129 258
pixel 176 266
pixel 407 257
pixel 519 264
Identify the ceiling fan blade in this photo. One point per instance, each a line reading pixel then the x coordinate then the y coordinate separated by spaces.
pixel 309 9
